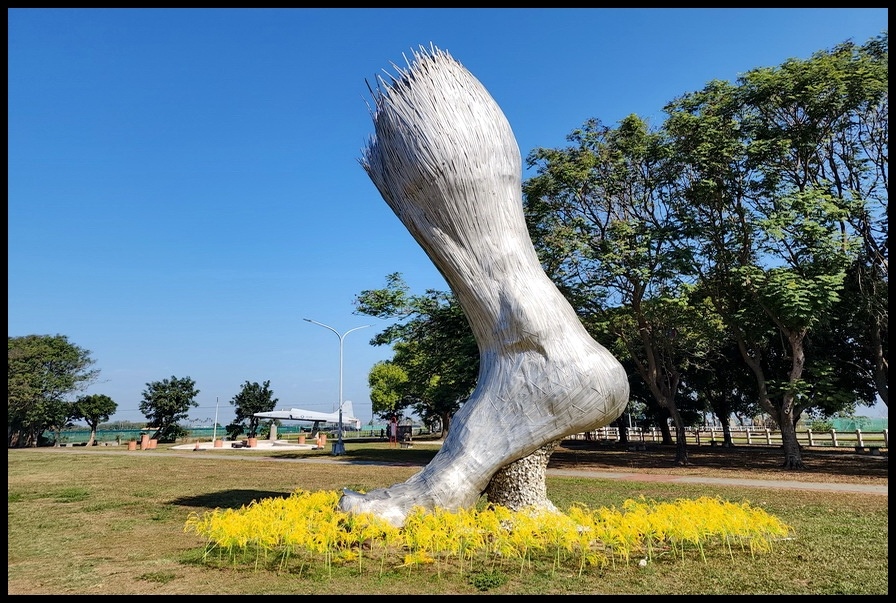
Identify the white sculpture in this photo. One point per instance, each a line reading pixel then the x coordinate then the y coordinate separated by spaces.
pixel 446 161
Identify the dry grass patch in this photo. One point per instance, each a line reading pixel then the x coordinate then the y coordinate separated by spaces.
pixel 112 522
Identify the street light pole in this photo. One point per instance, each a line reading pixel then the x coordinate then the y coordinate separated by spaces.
pixel 339 446
pixel 215 426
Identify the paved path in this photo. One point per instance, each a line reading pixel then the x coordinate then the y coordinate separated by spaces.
pixel 268 446
pixel 724 481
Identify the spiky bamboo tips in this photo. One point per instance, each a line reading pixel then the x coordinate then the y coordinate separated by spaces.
pixel 446 161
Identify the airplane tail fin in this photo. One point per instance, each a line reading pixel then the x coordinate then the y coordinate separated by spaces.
pixel 348 414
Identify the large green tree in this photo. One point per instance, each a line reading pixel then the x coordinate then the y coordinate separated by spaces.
pixel 387 381
pixel 433 345
pixel 165 403
pixel 252 398
pixel 600 213
pixel 43 372
pixel 773 179
pixel 58 415
pixel 856 168
pixel 94 410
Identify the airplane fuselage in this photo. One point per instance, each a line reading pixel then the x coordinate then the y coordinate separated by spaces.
pixel 299 414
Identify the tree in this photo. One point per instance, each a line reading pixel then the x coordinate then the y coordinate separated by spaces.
pixel 776 180
pixel 58 414
pixel 252 398
pixel 43 370
pixel 726 385
pixel 165 403
pixel 855 341
pixel 387 382
pixel 433 345
pixel 871 276
pixel 600 213
pixel 94 410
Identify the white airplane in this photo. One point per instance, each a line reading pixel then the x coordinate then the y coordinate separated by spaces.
pixel 313 416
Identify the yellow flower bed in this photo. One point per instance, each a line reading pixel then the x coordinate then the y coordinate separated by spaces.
pixel 308 526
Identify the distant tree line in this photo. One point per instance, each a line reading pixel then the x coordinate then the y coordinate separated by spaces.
pixel 47 371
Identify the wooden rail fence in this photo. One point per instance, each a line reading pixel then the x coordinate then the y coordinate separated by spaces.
pixel 861 441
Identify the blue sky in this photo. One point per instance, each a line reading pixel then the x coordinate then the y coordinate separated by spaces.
pixel 184 186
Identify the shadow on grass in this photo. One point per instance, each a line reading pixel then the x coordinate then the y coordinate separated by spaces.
pixel 360 456
pixel 227 499
pixel 739 461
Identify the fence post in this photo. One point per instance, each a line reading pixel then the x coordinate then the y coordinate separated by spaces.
pixel 834 437
pixel 859 441
pixel 768 436
pixel 811 441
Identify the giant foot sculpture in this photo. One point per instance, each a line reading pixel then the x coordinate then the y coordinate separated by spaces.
pixel 445 160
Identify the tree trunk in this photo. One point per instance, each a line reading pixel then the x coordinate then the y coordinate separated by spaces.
pixel 727 441
pixel 881 364
pixel 793 455
pixel 681 446
pixel 445 419
pixel 621 430
pixel 665 432
pixel 681 442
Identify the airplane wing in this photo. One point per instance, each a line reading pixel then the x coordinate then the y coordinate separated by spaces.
pixel 274 414
pixel 299 414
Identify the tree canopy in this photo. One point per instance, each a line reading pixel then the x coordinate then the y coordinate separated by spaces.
pixel 165 403
pixel 252 398
pixel 44 371
pixel 94 409
pixel 436 359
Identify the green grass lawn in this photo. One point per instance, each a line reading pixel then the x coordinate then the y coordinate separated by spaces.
pixel 101 521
